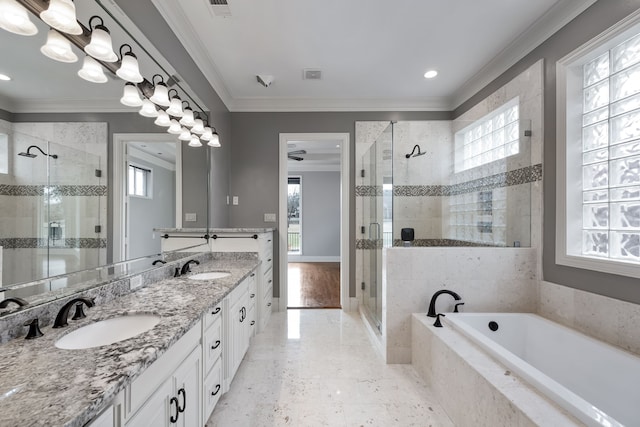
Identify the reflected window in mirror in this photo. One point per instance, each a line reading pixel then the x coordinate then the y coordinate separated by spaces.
pixel 140 181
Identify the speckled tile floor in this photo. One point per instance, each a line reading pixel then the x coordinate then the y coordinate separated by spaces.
pixel 318 368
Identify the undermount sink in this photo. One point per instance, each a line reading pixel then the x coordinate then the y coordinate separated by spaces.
pixel 211 275
pixel 108 331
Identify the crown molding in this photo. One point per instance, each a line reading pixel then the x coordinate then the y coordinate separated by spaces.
pixel 174 14
pixel 559 15
pixel 321 105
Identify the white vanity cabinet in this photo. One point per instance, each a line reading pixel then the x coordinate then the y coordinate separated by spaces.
pixel 169 392
pixel 212 345
pixel 236 331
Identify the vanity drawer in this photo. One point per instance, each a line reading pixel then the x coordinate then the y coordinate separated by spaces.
pixel 212 388
pixel 212 315
pixel 212 344
pixel 239 292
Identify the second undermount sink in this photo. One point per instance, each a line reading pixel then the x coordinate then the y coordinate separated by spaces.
pixel 211 275
pixel 108 331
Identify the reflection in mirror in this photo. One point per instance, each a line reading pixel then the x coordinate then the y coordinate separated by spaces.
pixel 54 217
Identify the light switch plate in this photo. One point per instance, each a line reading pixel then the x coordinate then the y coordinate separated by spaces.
pixel 190 217
pixel 269 217
pixel 235 200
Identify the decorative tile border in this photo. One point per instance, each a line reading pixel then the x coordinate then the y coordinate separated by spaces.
pixel 367 244
pixel 37 242
pixel 54 190
pixel 516 177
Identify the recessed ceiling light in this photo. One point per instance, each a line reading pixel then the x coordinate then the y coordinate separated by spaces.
pixel 338 146
pixel 430 74
pixel 4 77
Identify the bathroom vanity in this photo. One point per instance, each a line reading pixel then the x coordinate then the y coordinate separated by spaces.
pixel 172 374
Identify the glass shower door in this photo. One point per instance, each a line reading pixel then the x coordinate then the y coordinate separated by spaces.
pixel 377 211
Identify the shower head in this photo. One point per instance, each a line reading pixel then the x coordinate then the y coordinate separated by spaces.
pixel 413 152
pixel 31 155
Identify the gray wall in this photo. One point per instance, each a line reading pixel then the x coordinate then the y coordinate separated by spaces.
pixel 253 172
pixel 589 24
pixel 147 214
pixel 320 213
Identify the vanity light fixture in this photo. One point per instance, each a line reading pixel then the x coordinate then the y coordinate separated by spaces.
pixel 187 118
pixel 207 134
pixel 194 142
pixel 198 126
pixel 129 69
pixel 58 48
pixel 160 92
pixel 61 15
pixel 148 109
pixel 430 74
pixel 100 46
pixel 215 139
pixel 174 127
pixel 185 134
pixel 162 119
pixel 15 18
pixel 175 106
pixel 92 71
pixel 130 97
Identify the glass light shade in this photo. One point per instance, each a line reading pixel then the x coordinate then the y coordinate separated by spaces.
pixel 198 127
pixel 185 135
pixel 207 134
pixel 58 48
pixel 163 119
pixel 15 18
pixel 129 69
pixel 175 108
pixel 61 15
pixel 195 142
pixel 160 95
pixel 92 71
pixel 131 98
pixel 174 127
pixel 100 46
pixel 187 118
pixel 148 109
pixel 215 140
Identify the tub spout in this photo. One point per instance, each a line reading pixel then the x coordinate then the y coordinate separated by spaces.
pixel 432 304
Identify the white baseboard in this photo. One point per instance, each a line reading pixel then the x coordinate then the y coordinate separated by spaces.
pixel 303 258
pixel 353 304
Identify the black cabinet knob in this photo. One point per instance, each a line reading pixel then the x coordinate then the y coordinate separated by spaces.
pixel 216 345
pixel 213 393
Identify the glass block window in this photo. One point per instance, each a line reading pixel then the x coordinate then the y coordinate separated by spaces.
pixel 493 137
pixel 611 153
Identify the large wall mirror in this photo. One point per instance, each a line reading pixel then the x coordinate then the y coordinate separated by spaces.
pixel 85 180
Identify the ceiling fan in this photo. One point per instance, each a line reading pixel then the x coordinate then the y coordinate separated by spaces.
pixel 294 155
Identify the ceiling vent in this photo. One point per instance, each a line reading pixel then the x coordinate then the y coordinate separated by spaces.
pixel 311 74
pixel 220 7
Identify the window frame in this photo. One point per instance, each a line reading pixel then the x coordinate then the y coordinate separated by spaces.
pixel 568 187
pixel 149 180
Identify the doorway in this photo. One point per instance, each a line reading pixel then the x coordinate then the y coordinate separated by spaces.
pixel 322 255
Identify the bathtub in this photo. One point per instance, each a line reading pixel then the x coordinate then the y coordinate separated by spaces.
pixel 595 382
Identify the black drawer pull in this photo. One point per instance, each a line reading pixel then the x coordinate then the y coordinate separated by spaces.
pixel 252 295
pixel 270 281
pixel 253 322
pixel 253 274
pixel 213 393
pixel 216 345
pixel 173 419
pixel 269 305
pixel 269 260
pixel 184 399
pixel 216 311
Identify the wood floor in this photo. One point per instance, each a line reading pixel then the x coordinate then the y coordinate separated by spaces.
pixel 313 285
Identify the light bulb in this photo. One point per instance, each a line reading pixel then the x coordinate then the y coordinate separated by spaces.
pixel 129 69
pixel 130 97
pixel 163 119
pixel 175 108
pixel 92 71
pixel 148 109
pixel 174 127
pixel 58 48
pixel 187 118
pixel 195 142
pixel 207 134
pixel 185 135
pixel 215 140
pixel 61 15
pixel 160 95
pixel 15 18
pixel 100 46
pixel 198 127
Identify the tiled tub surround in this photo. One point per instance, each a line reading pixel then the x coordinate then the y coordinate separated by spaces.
pixel 44 385
pixel 472 387
pixel 487 279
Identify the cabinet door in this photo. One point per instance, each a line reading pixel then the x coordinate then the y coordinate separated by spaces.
pixel 188 389
pixel 158 410
pixel 237 323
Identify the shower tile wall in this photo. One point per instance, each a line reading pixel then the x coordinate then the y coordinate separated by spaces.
pixel 76 198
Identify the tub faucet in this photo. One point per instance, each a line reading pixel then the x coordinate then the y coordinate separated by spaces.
pixel 432 304
pixel 63 314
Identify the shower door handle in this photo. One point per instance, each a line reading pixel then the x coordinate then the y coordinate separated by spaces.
pixel 377 230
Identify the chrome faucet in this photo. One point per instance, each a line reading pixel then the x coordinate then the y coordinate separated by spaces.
pixel 63 314
pixel 4 303
pixel 186 268
pixel 432 304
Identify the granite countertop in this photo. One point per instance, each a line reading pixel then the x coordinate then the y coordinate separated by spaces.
pixel 214 230
pixel 42 385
